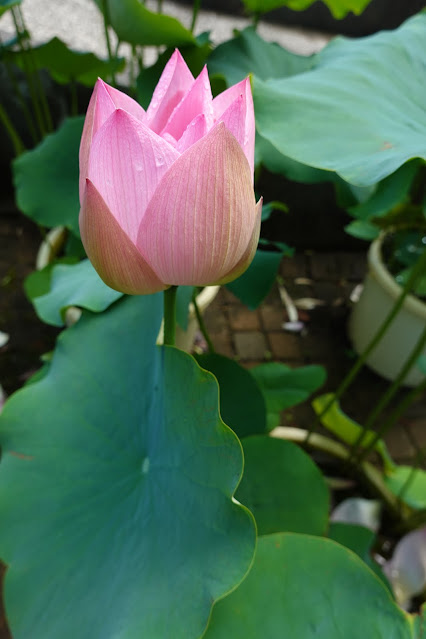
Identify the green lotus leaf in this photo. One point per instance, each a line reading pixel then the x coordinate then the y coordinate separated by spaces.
pixel 308 588
pixel 283 487
pixel 352 113
pixel 46 178
pixel 115 488
pixel 134 23
pixel 339 8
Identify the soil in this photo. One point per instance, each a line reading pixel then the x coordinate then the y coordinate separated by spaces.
pixel 29 338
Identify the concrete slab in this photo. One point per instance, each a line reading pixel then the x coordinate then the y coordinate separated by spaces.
pixel 79 23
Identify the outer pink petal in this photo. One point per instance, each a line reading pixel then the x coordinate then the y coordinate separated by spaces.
pixel 104 101
pixel 235 107
pixel 197 100
pixel 201 217
pixel 250 251
pixel 111 252
pixel 196 130
pixel 127 161
pixel 176 80
pixel 101 106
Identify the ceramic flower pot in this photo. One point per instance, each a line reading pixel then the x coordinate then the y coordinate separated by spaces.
pixel 52 246
pixel 379 294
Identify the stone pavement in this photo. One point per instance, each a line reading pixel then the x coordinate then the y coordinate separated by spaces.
pixel 79 24
pixel 324 280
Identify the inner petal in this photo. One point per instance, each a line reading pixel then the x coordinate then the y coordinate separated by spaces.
pixel 197 100
pixel 193 132
pixel 176 80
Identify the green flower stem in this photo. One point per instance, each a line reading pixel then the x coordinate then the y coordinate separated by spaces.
pixel 202 324
pixel 43 99
pixel 139 58
pixel 18 145
pixel 28 74
pixel 105 14
pixel 384 401
pixel 74 98
pixel 369 473
pixel 133 68
pixel 418 269
pixel 195 10
pixel 25 110
pixel 36 75
pixel 170 315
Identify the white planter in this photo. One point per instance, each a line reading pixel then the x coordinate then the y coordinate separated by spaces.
pixel 378 296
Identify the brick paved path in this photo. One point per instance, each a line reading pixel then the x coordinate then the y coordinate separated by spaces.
pixel 257 336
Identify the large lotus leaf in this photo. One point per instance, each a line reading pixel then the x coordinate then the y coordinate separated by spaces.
pixel 339 8
pixel 66 65
pixel 419 623
pixel 276 162
pixel 409 483
pixel 73 285
pixel 134 23
pixel 391 192
pixel 249 53
pixel 38 282
pixel 116 482
pixel 242 405
pixel 353 113
pixel 283 488
pixel 308 588
pixel 5 5
pixel 283 387
pixel 360 540
pixel 66 283
pixel 46 178
pixel 255 283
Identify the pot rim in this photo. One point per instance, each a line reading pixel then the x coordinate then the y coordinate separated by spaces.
pixel 381 274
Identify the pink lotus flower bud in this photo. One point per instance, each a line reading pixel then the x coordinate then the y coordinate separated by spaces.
pixel 167 195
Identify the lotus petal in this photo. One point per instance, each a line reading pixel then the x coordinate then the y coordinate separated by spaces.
pixel 101 106
pixel 201 217
pixel 235 107
pixel 123 101
pixel 250 252
pixel 175 81
pixel 111 252
pixel 196 130
pixel 197 100
pixel 127 162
